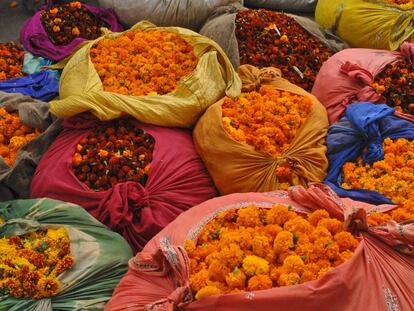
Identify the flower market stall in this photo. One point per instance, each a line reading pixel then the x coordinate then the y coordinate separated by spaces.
pixel 178 155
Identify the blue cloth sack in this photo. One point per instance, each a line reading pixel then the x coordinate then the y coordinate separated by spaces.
pixel 42 85
pixel 361 132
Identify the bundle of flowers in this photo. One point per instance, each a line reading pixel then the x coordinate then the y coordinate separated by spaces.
pixel 391 177
pixel 405 4
pixel 13 135
pixel 31 263
pixel 143 62
pixel 116 151
pixel 66 22
pixel 11 60
pixel 268 120
pixel 267 38
pixel 395 84
pixel 255 248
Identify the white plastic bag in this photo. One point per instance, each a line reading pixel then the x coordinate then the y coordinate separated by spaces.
pixel 183 13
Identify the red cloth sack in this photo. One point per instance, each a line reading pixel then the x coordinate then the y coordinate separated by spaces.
pixel 158 276
pixel 177 181
pixel 348 77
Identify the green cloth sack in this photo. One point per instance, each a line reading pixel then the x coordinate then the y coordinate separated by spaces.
pixel 101 256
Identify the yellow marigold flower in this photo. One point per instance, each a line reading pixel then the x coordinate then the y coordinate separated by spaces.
pixel 254 265
pixel 207 291
pixel 249 216
pixel 279 214
pixel 333 225
pixel 316 216
pixel 199 280
pixel 293 264
pixel 345 241
pixel 2 221
pixel 259 282
pixel 283 242
pixel 261 245
pixel 236 279
pixel 287 279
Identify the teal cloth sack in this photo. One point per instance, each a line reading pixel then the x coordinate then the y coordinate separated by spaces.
pixel 101 256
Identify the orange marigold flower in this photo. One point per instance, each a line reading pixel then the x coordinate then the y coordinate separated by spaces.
pixel 333 225
pixel 259 282
pixel 207 291
pixel 298 225
pixel 249 216
pixel 56 28
pixel 317 215
pixel 261 245
pixel 199 280
pixel 345 241
pixel 254 265
pixel 293 264
pixel 283 242
pixel 236 279
pixel 287 279
pixel 279 214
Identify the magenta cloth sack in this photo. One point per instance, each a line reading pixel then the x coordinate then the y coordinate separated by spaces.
pixel 177 181
pixel 35 39
pixel 347 77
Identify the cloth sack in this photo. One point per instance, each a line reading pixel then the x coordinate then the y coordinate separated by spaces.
pixel 361 133
pixel 182 13
pixel 221 27
pixel 237 167
pixel 177 181
pixel 81 88
pixel 366 23
pixel 15 181
pixel 348 77
pixel 35 39
pixel 284 5
pixel 101 255
pixel 158 276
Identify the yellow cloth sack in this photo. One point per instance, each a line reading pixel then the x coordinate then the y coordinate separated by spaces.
pixel 237 167
pixel 367 23
pixel 214 77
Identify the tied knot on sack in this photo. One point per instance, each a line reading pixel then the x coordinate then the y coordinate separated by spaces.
pixel 373 151
pixel 407 51
pixel 252 78
pixel 126 200
pixel 363 77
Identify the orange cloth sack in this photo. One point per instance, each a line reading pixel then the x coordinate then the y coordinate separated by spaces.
pixel 238 167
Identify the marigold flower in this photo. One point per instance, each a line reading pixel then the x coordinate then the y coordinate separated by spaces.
pixel 261 246
pixel 283 242
pixel 298 225
pixel 333 225
pixel 259 282
pixel 207 291
pixel 345 241
pixel 249 216
pixel 316 216
pixel 236 279
pixel 48 287
pixel 279 214
pixel 293 264
pixel 254 265
pixel 199 280
pixel 287 279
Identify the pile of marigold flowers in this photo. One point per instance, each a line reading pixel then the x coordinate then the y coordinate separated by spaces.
pixel 66 22
pixel 31 263
pixel 405 4
pixel 396 85
pixel 13 135
pixel 255 248
pixel 143 62
pixel 270 39
pixel 11 61
pixel 268 120
pixel 116 151
pixel 392 177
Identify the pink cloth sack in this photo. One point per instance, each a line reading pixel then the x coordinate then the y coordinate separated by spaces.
pixel 177 181
pixel 375 278
pixel 35 39
pixel 347 77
